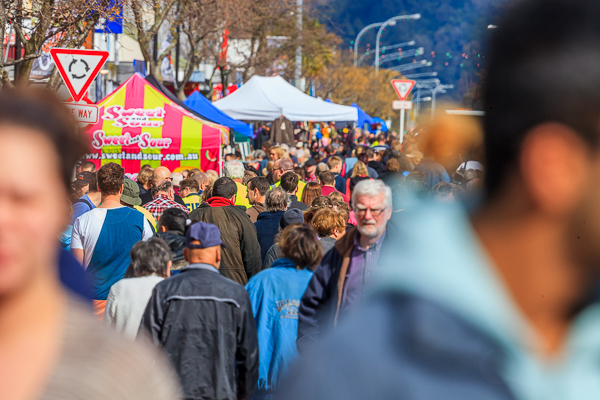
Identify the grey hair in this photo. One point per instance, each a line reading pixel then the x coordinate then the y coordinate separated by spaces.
pixel 177 178
pixel 234 169
pixel 322 167
pixel 150 257
pixel 277 200
pixel 260 153
pixel 164 186
pixel 372 188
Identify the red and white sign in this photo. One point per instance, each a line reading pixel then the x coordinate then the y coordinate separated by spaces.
pixel 403 87
pixel 78 68
pixel 401 105
pixel 84 113
pixel 135 117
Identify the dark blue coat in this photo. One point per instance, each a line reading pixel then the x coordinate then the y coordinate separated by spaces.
pixel 267 226
pixel 399 347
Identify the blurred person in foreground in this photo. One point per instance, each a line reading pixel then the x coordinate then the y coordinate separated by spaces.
pixel 241 257
pixel 275 297
pixel 507 305
pixel 150 263
pixel 51 345
pixel 204 323
pixel 349 269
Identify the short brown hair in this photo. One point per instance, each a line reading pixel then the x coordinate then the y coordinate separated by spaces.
pixel 300 244
pixel 289 181
pixel 145 175
pixel 261 183
pixel 189 183
pixel 111 177
pixel 333 162
pixel 393 165
pixel 327 178
pixel 326 221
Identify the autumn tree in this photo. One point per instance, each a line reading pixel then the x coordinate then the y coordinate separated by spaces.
pixel 143 19
pixel 35 22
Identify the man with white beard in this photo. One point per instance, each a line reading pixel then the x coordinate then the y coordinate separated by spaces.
pixel 349 269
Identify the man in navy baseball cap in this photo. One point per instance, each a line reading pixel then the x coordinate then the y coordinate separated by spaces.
pixel 201 319
pixel 203 235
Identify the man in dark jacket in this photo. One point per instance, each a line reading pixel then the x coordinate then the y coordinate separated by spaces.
pixel 204 323
pixel 349 268
pixel 241 258
pixel 267 223
pixel 289 183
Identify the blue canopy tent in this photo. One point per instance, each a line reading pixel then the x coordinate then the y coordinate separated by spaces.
pixel 377 120
pixel 202 106
pixel 363 117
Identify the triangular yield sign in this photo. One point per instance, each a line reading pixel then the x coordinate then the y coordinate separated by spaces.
pixel 78 68
pixel 403 87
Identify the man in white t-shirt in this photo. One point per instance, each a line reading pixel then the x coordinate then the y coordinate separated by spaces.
pixel 103 237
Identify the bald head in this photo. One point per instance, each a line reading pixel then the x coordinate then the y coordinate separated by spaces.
pixel 161 174
pixel 280 167
pixel 210 255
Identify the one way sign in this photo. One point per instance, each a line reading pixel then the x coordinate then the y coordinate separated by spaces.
pixel 78 68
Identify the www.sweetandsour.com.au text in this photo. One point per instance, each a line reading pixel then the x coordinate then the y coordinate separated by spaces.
pixel 143 156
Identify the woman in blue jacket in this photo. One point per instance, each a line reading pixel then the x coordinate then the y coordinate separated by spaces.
pixel 275 295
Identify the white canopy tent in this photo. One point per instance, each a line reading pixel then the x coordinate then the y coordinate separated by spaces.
pixel 266 98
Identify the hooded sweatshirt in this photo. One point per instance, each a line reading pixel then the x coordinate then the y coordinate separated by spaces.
pixel 267 226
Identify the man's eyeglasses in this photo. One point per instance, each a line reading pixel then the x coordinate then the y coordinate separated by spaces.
pixel 374 211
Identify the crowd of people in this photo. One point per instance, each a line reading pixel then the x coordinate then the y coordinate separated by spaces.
pixel 356 267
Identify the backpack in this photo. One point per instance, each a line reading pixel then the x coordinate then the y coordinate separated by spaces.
pixel 84 201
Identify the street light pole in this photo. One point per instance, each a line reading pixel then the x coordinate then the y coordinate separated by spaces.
pixel 298 72
pixel 391 21
pixel 362 31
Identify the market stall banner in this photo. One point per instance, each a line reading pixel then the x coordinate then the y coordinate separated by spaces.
pixel 139 125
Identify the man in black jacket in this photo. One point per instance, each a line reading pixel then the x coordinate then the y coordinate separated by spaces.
pixel 204 323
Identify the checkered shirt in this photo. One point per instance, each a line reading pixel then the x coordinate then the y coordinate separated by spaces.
pixel 157 206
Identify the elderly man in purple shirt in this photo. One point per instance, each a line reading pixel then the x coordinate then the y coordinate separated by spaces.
pixel 348 270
